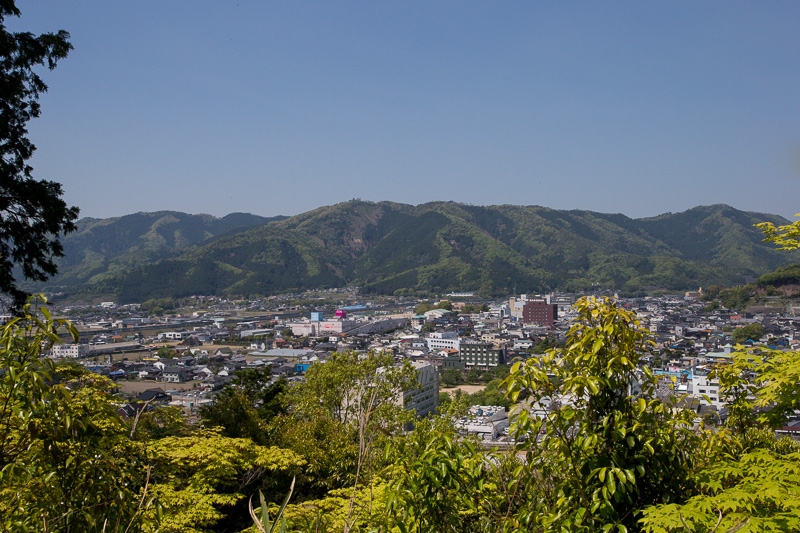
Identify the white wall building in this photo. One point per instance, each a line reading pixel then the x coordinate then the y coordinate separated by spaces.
pixel 172 335
pixel 308 328
pixel 440 341
pixel 703 386
pixel 72 351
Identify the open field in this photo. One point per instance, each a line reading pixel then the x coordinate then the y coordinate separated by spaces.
pixel 469 389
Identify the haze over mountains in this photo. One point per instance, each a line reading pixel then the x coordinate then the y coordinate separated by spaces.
pixel 398 248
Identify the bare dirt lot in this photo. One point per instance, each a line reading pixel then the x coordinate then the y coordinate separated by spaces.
pixel 469 389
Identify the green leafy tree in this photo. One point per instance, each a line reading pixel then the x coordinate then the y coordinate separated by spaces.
pixel 442 484
pixel 445 304
pixel 168 421
pixel 441 481
pixel 548 343
pixel 334 417
pixel 157 306
pixel 452 377
pixel 499 372
pixel 473 376
pixel 444 400
pixel 601 451
pixel 786 237
pixel 66 463
pixel 32 213
pixel 329 448
pixel 469 309
pixel 423 308
pixel 753 481
pixel 197 478
pixel 244 407
pixel 749 332
pixel 491 395
pixel 346 509
pixel 767 381
pixel 348 384
pixel 756 492
pixel 166 352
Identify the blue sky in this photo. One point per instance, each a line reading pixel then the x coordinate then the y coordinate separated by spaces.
pixel 280 107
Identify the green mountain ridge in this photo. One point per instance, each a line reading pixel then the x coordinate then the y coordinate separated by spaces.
pixel 100 248
pixel 387 247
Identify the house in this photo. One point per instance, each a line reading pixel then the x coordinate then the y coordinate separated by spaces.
pixel 190 342
pixel 215 382
pixel 284 370
pixel 175 374
pixel 149 372
pixel 155 395
pixel 452 361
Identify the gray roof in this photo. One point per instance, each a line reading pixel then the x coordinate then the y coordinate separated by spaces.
pixel 288 352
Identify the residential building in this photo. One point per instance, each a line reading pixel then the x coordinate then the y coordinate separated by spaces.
pixel 703 386
pixel 175 374
pixel 72 351
pixel 481 354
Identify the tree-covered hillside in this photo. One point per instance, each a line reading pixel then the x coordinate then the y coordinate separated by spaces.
pixel 100 248
pixel 440 246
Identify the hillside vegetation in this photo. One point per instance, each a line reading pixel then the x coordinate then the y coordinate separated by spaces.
pixel 783 283
pixel 100 248
pixel 441 246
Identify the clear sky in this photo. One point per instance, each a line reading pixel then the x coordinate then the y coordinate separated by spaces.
pixel 278 107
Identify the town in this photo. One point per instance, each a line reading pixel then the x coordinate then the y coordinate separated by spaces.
pixel 458 345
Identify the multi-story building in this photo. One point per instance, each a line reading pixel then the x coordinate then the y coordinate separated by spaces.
pixel 703 387
pixel 481 354
pixel 539 312
pixel 440 341
pixel 319 328
pixel 425 398
pixel 73 351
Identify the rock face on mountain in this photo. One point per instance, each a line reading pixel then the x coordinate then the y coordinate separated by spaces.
pixel 387 247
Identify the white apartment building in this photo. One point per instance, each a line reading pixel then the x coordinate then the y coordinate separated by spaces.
pixel 704 386
pixel 443 340
pixel 72 351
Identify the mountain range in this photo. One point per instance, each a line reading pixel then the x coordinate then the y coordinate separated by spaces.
pixel 393 248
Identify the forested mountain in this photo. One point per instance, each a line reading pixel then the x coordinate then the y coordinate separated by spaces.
pixel 387 247
pixel 102 247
